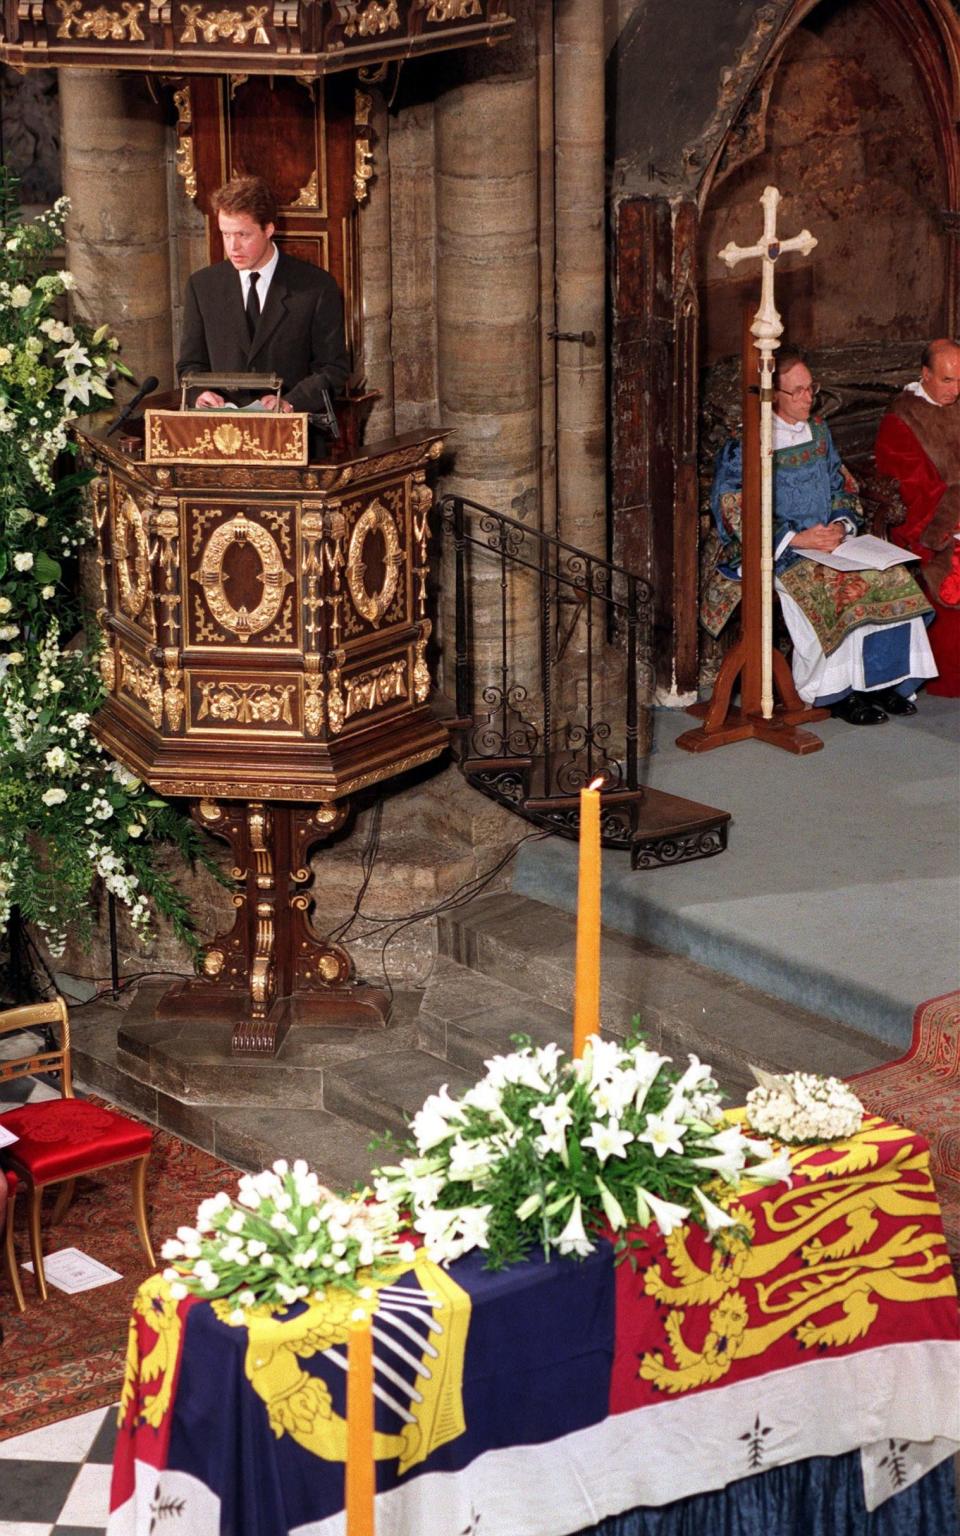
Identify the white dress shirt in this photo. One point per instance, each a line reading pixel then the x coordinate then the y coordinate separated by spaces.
pixel 265 275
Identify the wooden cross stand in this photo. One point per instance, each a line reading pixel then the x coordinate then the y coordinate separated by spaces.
pixel 761 668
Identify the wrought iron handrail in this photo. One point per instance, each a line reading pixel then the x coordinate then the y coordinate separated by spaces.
pixel 550 729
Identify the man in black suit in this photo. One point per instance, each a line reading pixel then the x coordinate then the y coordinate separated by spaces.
pixel 260 311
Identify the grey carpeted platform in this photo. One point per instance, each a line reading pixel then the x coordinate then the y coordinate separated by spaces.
pixel 840 888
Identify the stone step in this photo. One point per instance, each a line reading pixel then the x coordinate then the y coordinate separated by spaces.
pixel 385 1091
pixel 465 1019
pixel 682 1007
pixel 434 840
pixel 246 1112
pixel 506 968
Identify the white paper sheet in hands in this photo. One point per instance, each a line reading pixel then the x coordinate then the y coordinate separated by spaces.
pixel 861 552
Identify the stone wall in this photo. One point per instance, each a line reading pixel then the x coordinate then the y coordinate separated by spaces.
pixel 115 143
pixel 849 140
pixel 30 132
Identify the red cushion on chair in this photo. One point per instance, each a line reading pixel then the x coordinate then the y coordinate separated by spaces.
pixel 60 1138
pixel 12 1182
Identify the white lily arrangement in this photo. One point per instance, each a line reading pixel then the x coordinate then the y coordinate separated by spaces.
pixel 544 1150
pixel 284 1239
pixel 803 1107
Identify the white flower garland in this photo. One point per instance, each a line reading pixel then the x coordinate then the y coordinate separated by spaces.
pixel 802 1107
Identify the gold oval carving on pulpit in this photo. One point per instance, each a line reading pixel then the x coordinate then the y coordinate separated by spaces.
pixel 242 620
pixel 374 527
pixel 132 557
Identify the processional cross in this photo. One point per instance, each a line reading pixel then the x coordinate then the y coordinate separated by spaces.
pixel 766 329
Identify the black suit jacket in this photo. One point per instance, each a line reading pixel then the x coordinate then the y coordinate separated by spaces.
pixel 299 335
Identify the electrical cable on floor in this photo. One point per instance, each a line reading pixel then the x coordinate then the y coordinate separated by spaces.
pixel 368 858
pixel 392 925
pixel 460 897
pixel 126 982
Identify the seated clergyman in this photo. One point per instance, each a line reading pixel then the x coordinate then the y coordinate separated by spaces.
pixel 919 446
pixel 859 637
pixel 261 311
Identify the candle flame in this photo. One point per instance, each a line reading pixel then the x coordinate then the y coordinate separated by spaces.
pixel 597 783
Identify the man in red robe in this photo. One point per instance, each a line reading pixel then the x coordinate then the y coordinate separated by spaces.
pixel 919 445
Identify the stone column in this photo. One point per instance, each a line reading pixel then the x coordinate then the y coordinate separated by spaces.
pixel 579 117
pixel 488 288
pixel 375 249
pixel 546 106
pixel 114 172
pixel 413 257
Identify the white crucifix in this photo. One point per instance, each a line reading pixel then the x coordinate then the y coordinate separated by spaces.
pixel 767 328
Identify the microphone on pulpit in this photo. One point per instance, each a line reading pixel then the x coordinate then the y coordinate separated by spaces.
pixel 146 388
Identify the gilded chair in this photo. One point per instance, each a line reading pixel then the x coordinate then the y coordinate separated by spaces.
pixel 59 1140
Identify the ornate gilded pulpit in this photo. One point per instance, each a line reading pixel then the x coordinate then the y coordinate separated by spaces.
pixel 265 655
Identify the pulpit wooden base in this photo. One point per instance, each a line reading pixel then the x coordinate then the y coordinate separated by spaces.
pixel 272 969
pixel 357 1006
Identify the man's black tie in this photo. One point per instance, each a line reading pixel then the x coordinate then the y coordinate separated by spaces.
pixel 253 303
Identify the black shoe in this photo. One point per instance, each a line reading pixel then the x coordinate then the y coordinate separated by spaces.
pixel 897 703
pixel 856 709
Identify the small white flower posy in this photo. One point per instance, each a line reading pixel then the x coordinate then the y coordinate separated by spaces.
pixel 803 1107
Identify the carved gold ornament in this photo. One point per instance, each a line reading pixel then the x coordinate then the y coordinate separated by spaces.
pixel 224 26
pixel 371 690
pixel 363 155
pixel 101 23
pixel 421 672
pixel 312 704
pixel 311 564
pixel 308 196
pixel 108 667
pixel 274 579
pixel 143 683
pixel 186 168
pixel 370 20
pixel 99 501
pixel 132 586
pixel 167 526
pixel 335 706
pixel 246 703
pixel 213 962
pixel 453 10
pixel 421 500
pixel 373 605
pixel 173 696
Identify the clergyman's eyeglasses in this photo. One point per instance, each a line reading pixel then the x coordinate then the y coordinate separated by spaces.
pixel 811 389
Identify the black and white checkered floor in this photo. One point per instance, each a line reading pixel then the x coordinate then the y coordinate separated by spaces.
pixel 56 1481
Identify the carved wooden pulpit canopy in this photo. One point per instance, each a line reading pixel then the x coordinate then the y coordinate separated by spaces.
pixel 308 38
pixel 265 656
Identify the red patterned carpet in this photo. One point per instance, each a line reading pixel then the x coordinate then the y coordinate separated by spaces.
pixel 66 1355
pixel 922 1090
